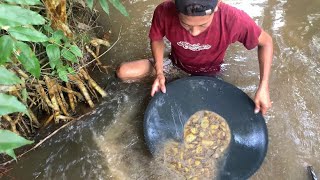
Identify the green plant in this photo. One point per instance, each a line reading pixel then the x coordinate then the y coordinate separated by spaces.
pixel 104 4
pixel 10 141
pixel 24 34
pixel 60 49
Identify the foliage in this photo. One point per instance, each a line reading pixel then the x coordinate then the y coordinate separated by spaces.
pixel 16 43
pixel 8 78
pixel 36 63
pixel 10 104
pixel 10 141
pixel 60 49
pixel 104 4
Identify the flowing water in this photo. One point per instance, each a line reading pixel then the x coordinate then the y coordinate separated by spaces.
pixel 108 143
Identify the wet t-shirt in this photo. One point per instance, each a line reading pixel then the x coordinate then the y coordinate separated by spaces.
pixel 204 53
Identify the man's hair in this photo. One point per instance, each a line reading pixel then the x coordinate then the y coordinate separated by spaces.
pixel 194 9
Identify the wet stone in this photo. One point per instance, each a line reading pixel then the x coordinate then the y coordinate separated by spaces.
pixel 206 138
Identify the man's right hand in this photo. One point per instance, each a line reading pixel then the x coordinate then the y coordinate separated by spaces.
pixel 159 83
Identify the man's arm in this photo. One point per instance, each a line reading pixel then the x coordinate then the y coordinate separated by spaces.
pixel 157 48
pixel 265 54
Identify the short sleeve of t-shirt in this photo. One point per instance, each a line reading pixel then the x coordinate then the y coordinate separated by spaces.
pixel 157 30
pixel 245 30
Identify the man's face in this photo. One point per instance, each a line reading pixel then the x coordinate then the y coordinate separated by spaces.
pixel 195 24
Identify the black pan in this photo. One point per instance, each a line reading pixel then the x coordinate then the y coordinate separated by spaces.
pixel 167 113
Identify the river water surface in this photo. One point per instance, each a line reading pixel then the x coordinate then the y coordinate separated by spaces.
pixel 108 142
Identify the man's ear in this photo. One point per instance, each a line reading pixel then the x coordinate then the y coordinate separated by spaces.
pixel 217 6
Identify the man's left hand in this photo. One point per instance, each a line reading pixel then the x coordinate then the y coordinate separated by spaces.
pixel 262 100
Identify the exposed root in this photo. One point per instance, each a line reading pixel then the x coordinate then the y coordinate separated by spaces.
pixel 20 72
pixel 94 55
pixel 51 89
pixel 12 124
pixel 48 120
pixel 71 98
pixel 82 88
pixel 49 96
pixel 70 91
pixel 93 83
pixel 44 97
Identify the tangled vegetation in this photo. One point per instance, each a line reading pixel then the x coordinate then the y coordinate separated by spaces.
pixel 43 62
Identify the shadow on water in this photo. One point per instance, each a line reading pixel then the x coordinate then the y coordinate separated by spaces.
pixel 80 151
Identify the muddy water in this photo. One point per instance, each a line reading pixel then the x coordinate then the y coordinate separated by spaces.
pixel 108 142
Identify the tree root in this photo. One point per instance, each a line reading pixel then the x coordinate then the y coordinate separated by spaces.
pixel 57 99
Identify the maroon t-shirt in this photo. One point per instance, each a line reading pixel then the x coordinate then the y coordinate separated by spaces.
pixel 203 54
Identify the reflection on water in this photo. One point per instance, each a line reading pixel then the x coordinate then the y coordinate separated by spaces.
pixel 108 143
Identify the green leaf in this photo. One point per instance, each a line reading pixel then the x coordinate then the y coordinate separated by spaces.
pixel 119 7
pixel 63 74
pixel 48 28
pixel 10 104
pixel 28 59
pixel 45 44
pixel 11 153
pixel 76 51
pixel 25 2
pixel 90 3
pixel 67 45
pixel 57 36
pixel 71 70
pixel 53 52
pixel 6 48
pixel 27 34
pixel 69 56
pixel 8 78
pixel 104 6
pixel 10 141
pixel 15 16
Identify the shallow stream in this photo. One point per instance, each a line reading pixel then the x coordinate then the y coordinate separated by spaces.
pixel 108 143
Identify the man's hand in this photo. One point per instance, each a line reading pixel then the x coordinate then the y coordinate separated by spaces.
pixel 159 83
pixel 262 100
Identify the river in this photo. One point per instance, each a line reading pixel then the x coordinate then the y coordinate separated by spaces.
pixel 107 143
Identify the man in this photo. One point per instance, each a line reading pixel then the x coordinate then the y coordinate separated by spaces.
pixel 200 32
